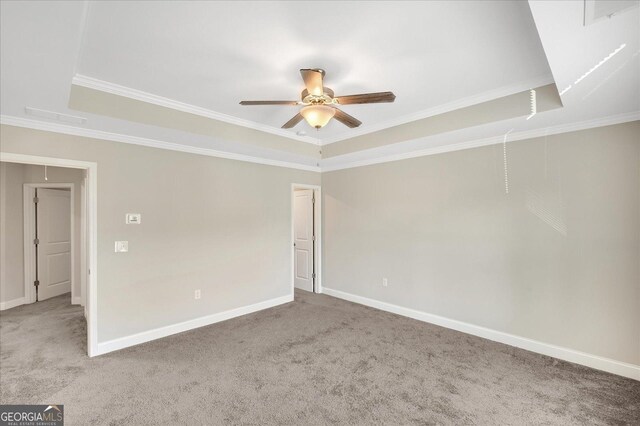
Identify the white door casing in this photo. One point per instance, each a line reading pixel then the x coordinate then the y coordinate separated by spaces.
pixel 54 242
pixel 84 242
pixel 303 239
pixel 91 218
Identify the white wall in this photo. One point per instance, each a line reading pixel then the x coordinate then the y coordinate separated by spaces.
pixel 221 226
pixel 12 238
pixel 556 259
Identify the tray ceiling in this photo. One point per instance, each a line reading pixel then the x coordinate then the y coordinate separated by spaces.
pixel 213 54
pixel 178 60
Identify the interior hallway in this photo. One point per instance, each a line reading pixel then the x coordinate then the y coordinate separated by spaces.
pixel 314 361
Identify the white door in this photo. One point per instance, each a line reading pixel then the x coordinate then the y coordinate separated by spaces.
pixel 54 242
pixel 303 238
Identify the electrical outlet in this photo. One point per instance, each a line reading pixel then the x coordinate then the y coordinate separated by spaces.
pixel 385 282
pixel 197 295
pixel 122 246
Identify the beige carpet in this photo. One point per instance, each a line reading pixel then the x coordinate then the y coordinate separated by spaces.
pixel 317 360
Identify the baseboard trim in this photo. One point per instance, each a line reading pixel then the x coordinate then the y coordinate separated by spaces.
pixel 600 363
pixel 11 303
pixel 158 333
pixel 76 301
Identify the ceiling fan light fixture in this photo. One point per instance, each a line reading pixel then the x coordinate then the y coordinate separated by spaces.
pixel 318 115
pixel 319 102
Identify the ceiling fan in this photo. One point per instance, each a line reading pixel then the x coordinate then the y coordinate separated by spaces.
pixel 320 103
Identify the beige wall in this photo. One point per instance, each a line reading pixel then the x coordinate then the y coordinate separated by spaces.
pixel 557 259
pixel 11 232
pixel 217 225
pixel 12 238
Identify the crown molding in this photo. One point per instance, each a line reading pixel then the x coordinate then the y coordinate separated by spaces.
pixel 118 90
pixel 127 92
pixel 514 136
pixel 490 95
pixel 152 143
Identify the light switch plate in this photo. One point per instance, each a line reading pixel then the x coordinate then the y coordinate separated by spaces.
pixel 133 218
pixel 122 246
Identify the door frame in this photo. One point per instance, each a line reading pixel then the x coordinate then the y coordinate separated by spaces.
pixel 91 217
pixel 29 211
pixel 317 227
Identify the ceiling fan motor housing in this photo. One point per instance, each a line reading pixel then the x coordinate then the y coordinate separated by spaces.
pixel 326 98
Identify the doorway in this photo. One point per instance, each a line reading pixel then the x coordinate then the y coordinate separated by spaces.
pixel 50 243
pixel 306 222
pixel 87 233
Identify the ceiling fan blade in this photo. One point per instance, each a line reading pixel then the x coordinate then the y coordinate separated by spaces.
pixel 295 120
pixel 313 81
pixel 268 103
pixel 366 98
pixel 346 119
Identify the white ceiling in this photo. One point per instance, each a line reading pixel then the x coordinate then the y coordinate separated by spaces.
pixel 210 55
pixel 214 54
